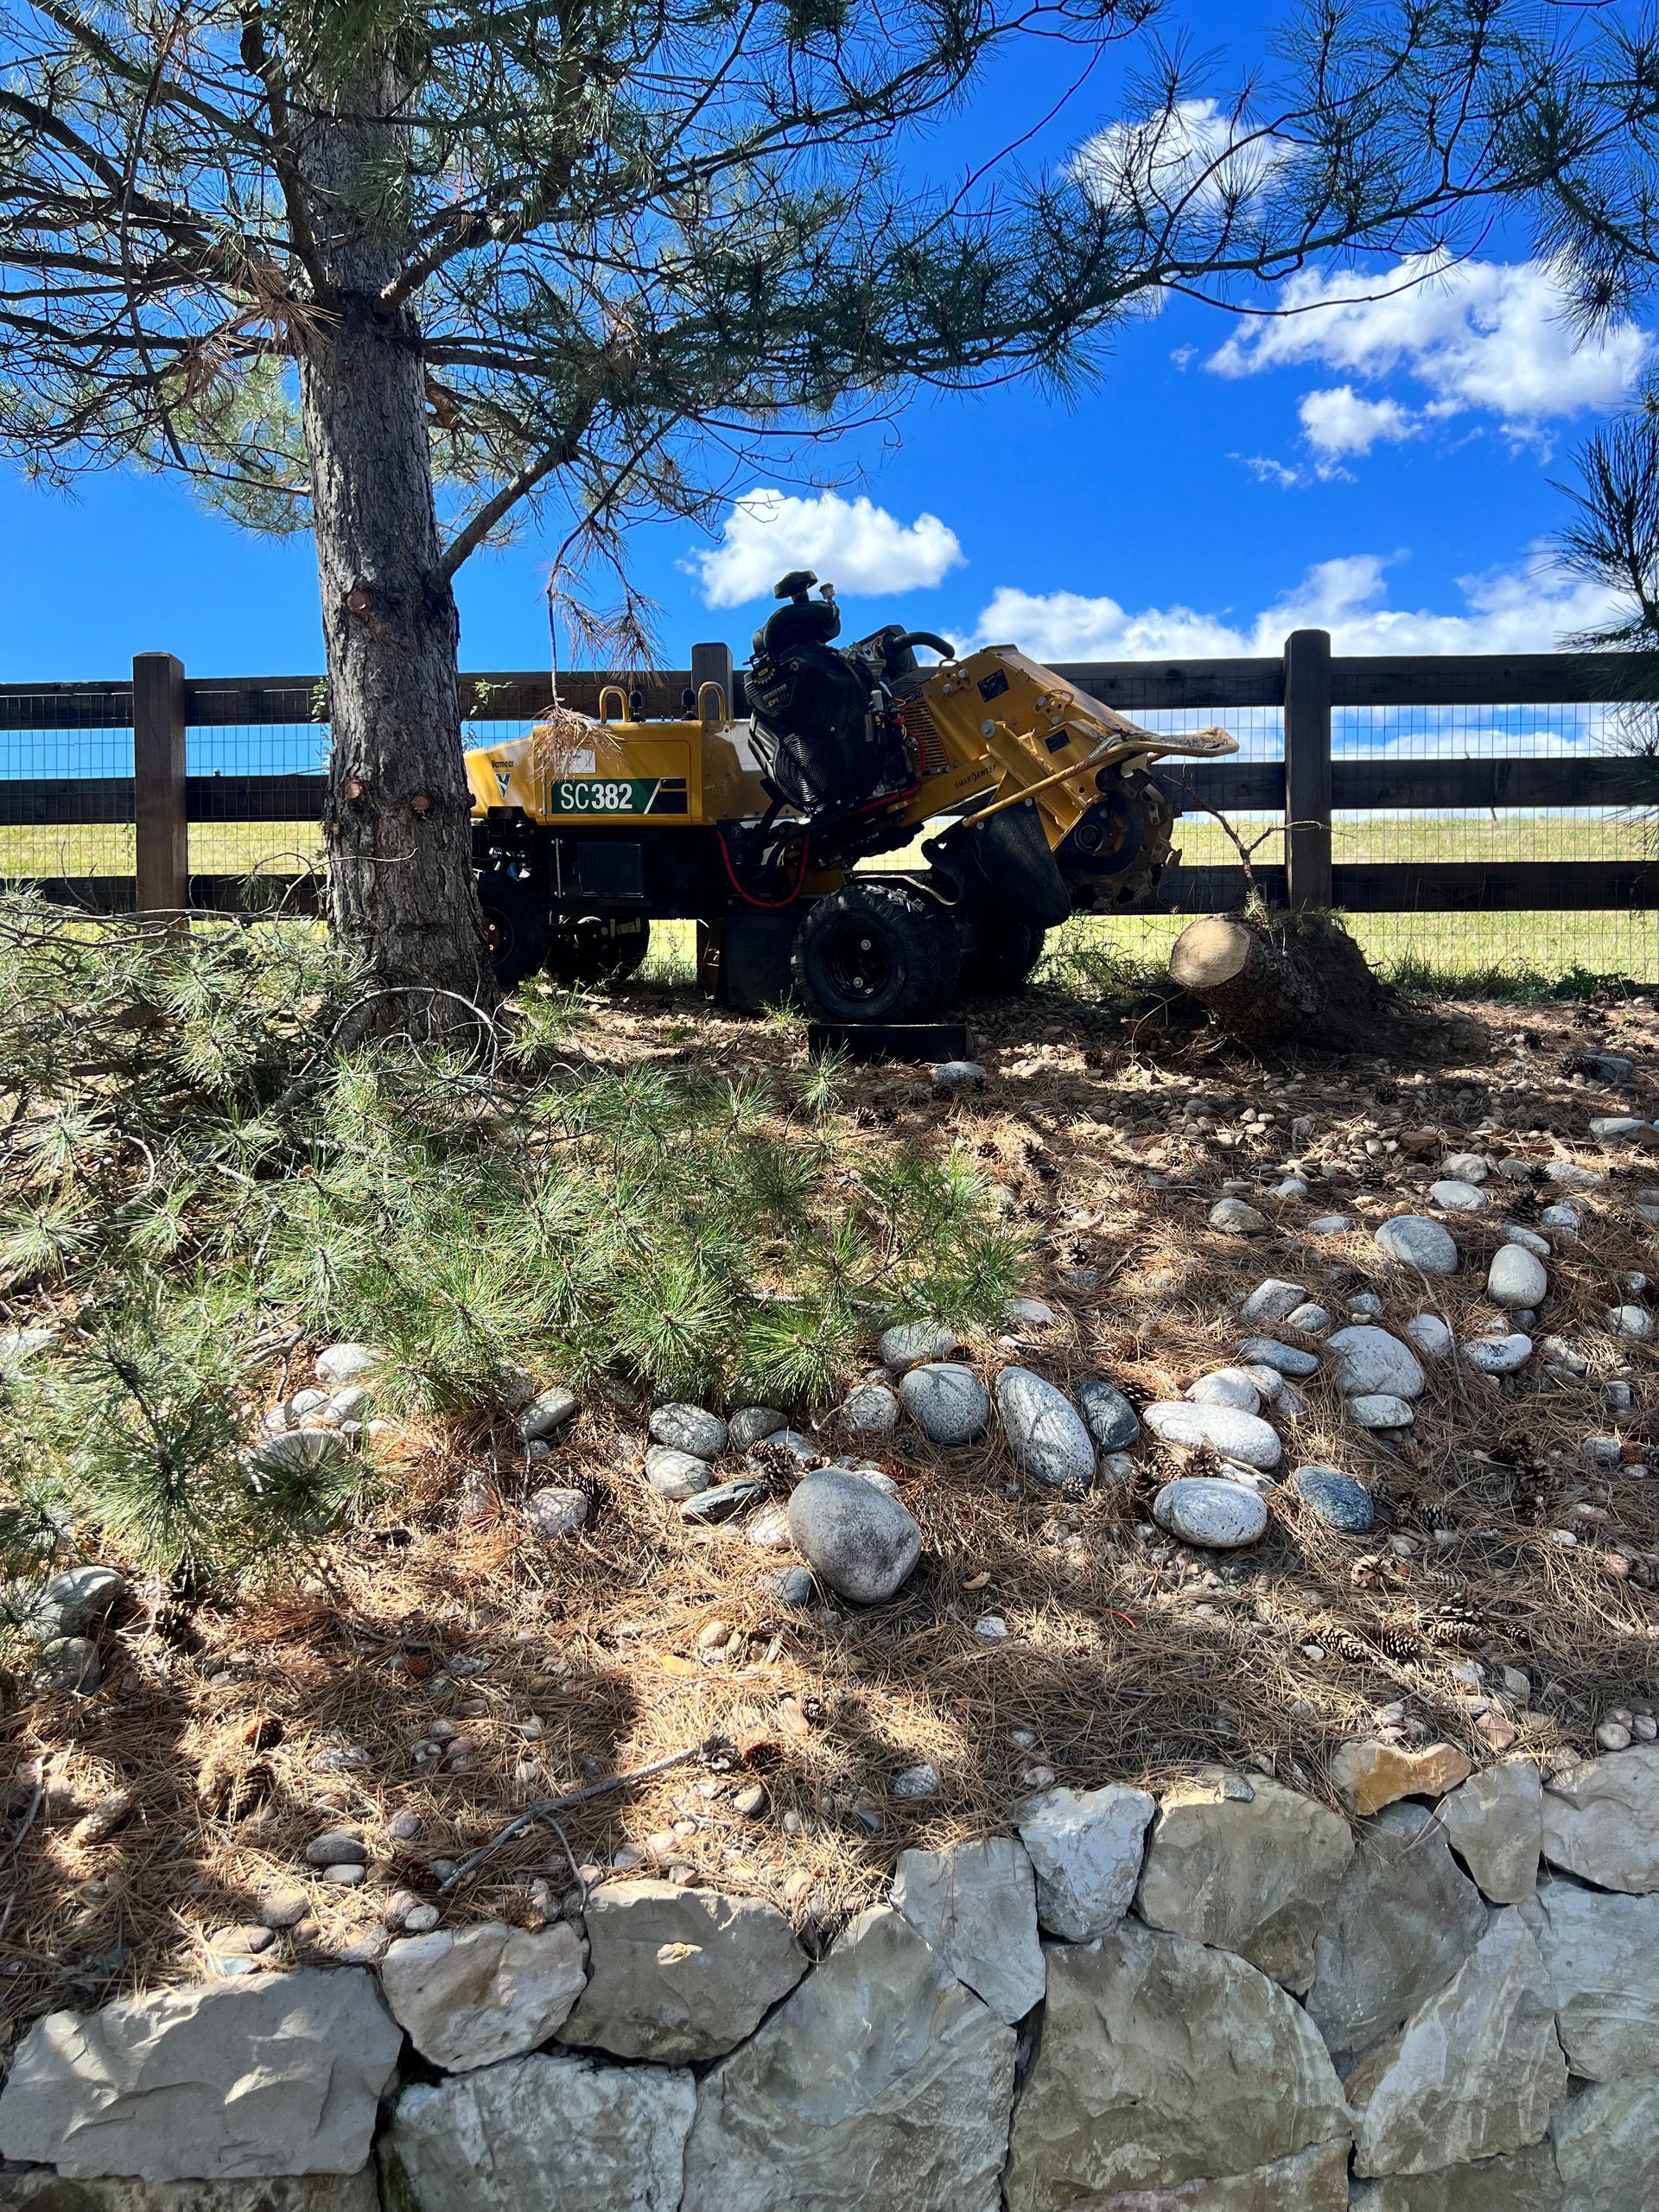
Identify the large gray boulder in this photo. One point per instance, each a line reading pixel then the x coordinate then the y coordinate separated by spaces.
pixel 1601 1821
pixel 862 1541
pixel 1162 2062
pixel 1221 1429
pixel 1495 1822
pixel 546 2132
pixel 1475 2071
pixel 1601 1955
pixel 1607 2146
pixel 679 1975
pixel 947 1401
pixel 1404 1921
pixel 274 2075
pixel 1516 2181
pixel 880 2082
pixel 75 1603
pixel 1046 1437
pixel 1371 1363
pixel 474 1996
pixel 1086 1847
pixel 1314 2180
pixel 42 2190
pixel 1251 1867
pixel 975 1905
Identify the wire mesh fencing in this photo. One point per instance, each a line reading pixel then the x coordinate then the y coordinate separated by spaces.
pixel 66 782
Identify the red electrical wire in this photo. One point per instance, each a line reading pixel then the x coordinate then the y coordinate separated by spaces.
pixel 767 905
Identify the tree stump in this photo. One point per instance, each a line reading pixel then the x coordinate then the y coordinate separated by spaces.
pixel 1281 979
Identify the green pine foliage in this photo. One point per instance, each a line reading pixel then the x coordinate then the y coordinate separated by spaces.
pixel 197 1163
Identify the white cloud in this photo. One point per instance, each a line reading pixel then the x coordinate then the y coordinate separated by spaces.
pixel 1338 421
pixel 1477 334
pixel 1526 609
pixel 1193 152
pixel 852 544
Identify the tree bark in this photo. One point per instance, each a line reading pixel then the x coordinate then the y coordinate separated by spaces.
pixel 397 827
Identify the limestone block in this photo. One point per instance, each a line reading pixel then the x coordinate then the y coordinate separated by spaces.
pixel 278 2073
pixel 679 1975
pixel 879 2083
pixel 1250 1868
pixel 1163 2061
pixel 551 2132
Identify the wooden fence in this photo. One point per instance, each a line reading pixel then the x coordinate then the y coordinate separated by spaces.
pixel 161 705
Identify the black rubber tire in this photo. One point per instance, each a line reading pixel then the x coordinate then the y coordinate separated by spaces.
pixel 588 949
pixel 515 924
pixel 876 953
pixel 1000 964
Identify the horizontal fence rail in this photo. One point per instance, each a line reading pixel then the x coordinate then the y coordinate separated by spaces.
pixel 1304 703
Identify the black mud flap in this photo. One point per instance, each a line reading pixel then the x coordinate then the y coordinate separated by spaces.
pixel 1008 856
pixel 750 968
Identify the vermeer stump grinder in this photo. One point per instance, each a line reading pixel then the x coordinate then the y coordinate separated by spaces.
pixel 1043 803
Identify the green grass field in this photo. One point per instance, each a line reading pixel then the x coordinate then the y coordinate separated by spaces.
pixel 1525 952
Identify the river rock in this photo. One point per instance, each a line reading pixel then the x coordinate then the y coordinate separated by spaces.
pixel 1046 1438
pixel 869 1409
pixel 483 1994
pixel 908 1343
pixel 1495 1822
pixel 689 1428
pixel 548 2131
pixel 1598 1952
pixel 951 1078
pixel 1086 1847
pixel 1404 1921
pixel 1455 1196
pixel 1225 1386
pixel 1163 2063
pixel 676 1474
pixel 1632 1321
pixel 1528 1239
pixel 724 1500
pixel 337 1364
pixel 975 1905
pixel 1498 1355
pixel 751 1425
pixel 555 1513
pixel 1466 1166
pixel 947 1401
pixel 1272 1301
pixel 858 1538
pixel 1601 1821
pixel 1234 1217
pixel 1208 1510
pixel 1221 1429
pixel 1287 1359
pixel 1108 1415
pixel 76 1602
pixel 1417 1242
pixel 1369 1776
pixel 1372 1363
pixel 679 1975
pixel 880 2082
pixel 67 1665
pixel 1330 1225
pixel 1377 1410
pixel 1314 1321
pixel 1339 1501
pixel 550 1410
pixel 1475 2071
pixel 1607 2146
pixel 1517 1277
pixel 275 2074
pixel 1251 1869
pixel 1429 1335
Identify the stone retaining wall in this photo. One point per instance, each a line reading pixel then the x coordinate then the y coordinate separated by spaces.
pixel 1228 2000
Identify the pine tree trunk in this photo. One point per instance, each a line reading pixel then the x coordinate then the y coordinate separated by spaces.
pixel 398 840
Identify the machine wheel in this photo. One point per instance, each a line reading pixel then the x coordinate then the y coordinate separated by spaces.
pixel 876 953
pixel 514 923
pixel 1007 951
pixel 1132 826
pixel 596 947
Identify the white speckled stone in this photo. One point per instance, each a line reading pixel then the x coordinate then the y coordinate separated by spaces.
pixel 1429 1335
pixel 1223 1429
pixel 1498 1354
pixel 1203 1510
pixel 1378 1409
pixel 1419 1242
pixel 1517 1277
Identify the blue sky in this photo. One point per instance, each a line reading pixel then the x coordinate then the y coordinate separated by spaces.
pixel 1384 469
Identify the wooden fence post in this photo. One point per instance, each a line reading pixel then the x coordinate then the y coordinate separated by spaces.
pixel 163 856
pixel 1307 767
pixel 713 665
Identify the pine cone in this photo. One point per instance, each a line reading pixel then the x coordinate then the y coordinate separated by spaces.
pixel 1457 1636
pixel 1399 1645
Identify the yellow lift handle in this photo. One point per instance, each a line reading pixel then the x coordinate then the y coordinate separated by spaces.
pixel 612 692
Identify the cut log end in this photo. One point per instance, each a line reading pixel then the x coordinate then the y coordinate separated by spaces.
pixel 1281 980
pixel 1210 953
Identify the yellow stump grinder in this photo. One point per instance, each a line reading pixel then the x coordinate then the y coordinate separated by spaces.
pixel 1041 802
